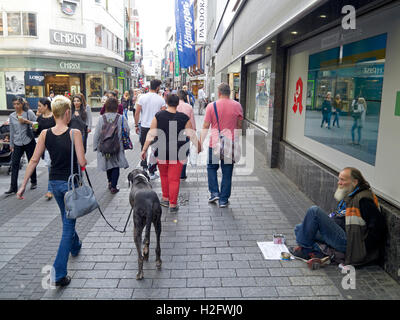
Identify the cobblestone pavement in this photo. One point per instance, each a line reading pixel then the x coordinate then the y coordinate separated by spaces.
pixel 207 252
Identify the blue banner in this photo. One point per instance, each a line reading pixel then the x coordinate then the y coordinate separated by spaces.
pixel 184 19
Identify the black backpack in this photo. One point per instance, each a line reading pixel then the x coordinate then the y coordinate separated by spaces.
pixel 109 141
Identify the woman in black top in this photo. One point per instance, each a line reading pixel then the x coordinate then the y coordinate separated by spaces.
pixel 57 141
pixel 45 120
pixel 79 118
pixel 171 128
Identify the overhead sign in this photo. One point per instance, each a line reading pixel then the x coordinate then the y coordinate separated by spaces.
pixel 70 65
pixel 34 78
pixel 201 21
pixel 129 55
pixel 185 33
pixel 69 7
pixel 65 38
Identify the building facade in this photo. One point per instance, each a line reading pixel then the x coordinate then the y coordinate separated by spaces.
pixel 284 57
pixel 63 46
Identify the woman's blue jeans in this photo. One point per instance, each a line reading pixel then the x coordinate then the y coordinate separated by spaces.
pixel 69 240
pixel 318 227
pixel 226 183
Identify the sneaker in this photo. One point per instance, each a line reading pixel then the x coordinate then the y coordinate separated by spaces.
pixel 224 204
pixel 114 190
pixel 63 282
pixel 164 203
pixel 213 199
pixel 183 178
pixel 299 253
pixel 174 209
pixel 10 191
pixel 33 186
pixel 318 255
pixel 154 176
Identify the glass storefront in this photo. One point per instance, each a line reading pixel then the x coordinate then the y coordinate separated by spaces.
pixel 258 92
pixel 353 74
pixel 94 89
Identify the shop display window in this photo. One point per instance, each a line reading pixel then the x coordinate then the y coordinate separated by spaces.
pixel 258 93
pixel 352 73
pixel 94 89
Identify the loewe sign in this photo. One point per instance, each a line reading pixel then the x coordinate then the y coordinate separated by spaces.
pixel 65 38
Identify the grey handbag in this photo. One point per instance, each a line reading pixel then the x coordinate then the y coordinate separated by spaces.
pixel 80 199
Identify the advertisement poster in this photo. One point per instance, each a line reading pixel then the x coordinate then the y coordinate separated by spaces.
pixel 15 86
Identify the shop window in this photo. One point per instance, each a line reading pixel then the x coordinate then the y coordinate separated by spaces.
pixel 94 87
pixel 21 24
pixel 98 33
pixel 258 93
pixel 353 74
pixel 14 24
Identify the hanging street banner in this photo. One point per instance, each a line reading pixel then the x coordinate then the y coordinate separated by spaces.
pixel 185 38
pixel 177 67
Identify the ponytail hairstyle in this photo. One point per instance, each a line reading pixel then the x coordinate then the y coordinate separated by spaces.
pixel 46 102
pixel 357 175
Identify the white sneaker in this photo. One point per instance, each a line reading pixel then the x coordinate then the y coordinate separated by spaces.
pixel 154 176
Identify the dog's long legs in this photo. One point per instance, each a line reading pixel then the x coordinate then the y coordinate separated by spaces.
pixel 137 235
pixel 157 227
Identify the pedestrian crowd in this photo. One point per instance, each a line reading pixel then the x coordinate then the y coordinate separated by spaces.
pixel 165 123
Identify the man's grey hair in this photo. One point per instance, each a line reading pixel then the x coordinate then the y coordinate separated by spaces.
pixel 224 89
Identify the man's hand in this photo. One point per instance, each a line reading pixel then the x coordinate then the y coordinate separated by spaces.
pixel 11 149
pixel 89 130
pixel 21 192
pixel 137 130
pixel 199 147
pixel 143 155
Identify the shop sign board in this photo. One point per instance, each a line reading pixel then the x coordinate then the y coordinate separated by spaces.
pixel 129 55
pixel 66 38
pixel 68 65
pixel 33 78
pixel 201 21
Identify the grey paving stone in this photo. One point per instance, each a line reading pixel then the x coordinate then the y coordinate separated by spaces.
pixel 252 272
pixel 279 272
pixel 195 273
pixel 295 291
pixel 204 282
pixel 186 293
pixel 169 283
pixel 220 273
pixel 223 293
pixel 92 274
pixel 238 282
pixel 233 264
pixel 101 283
pixel 202 265
pixel 259 292
pixel 69 293
pixel 216 257
pixel 150 294
pixel 109 265
pixel 145 283
pixel 308 281
pixel 326 290
pixel 114 293
pixel 272 281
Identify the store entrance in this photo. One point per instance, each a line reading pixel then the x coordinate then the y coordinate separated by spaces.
pixel 63 84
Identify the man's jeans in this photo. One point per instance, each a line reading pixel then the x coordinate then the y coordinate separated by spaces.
pixel 318 227
pixel 69 240
pixel 226 183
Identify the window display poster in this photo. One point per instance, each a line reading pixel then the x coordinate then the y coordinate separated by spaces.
pixel 15 86
pixel 3 101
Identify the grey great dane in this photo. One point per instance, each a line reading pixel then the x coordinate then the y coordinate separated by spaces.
pixel 146 210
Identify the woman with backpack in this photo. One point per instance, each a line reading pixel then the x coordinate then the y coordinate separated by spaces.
pixel 107 141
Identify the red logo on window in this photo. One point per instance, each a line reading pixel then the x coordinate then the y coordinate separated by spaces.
pixel 298 97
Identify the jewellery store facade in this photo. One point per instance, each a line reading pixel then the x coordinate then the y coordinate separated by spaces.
pixel 34 78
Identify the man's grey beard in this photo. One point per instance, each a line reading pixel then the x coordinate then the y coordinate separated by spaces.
pixel 341 193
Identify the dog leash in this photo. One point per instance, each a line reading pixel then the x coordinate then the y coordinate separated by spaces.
pixel 101 212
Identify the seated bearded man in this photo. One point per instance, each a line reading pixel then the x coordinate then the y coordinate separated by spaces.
pixel 356 228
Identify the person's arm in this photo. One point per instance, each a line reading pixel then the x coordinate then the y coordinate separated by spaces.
pixel 137 116
pixel 37 154
pixel 192 135
pixel 151 135
pixel 102 110
pixel 89 119
pixel 11 136
pixel 79 149
pixel 193 119
pixel 96 135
